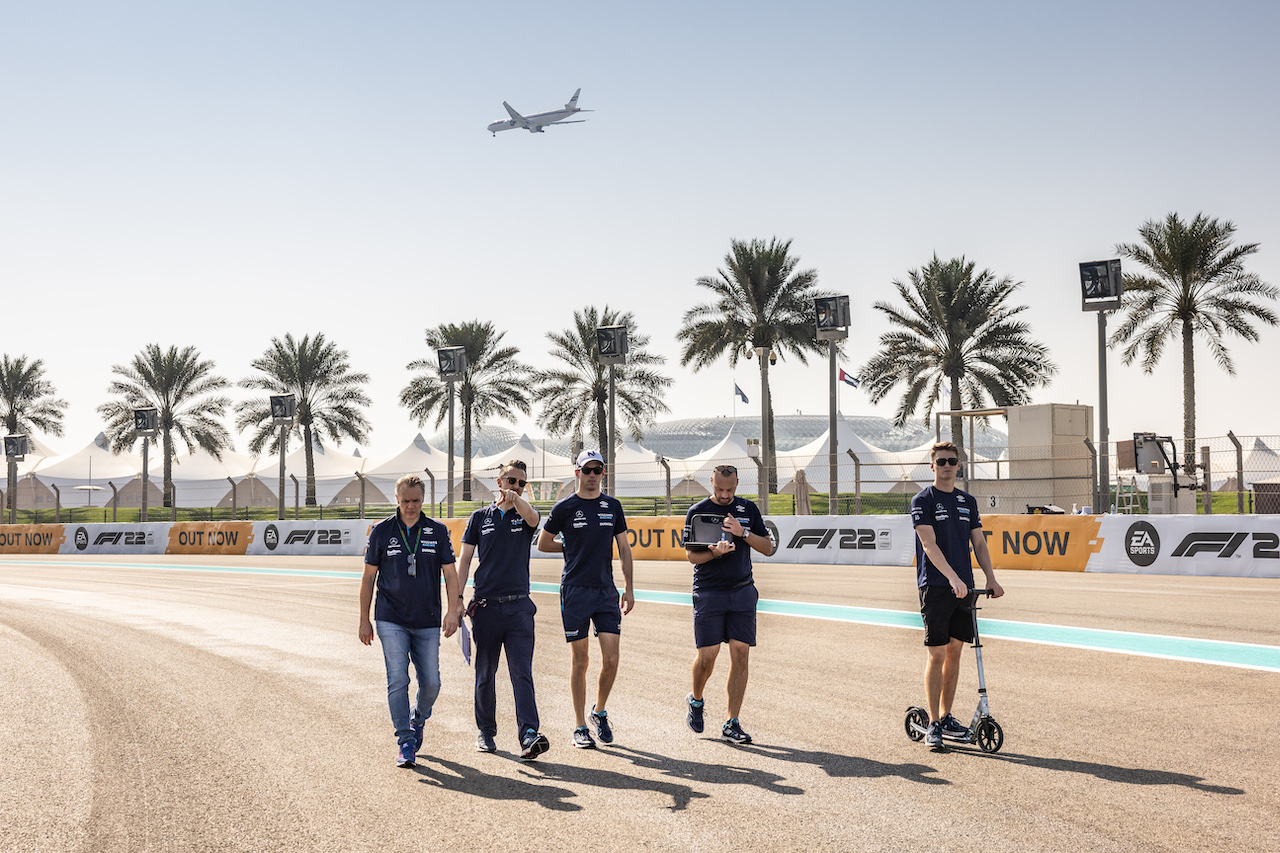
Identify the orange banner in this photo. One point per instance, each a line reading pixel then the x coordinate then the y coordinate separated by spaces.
pixel 209 537
pixel 31 538
pixel 1060 543
pixel 656 538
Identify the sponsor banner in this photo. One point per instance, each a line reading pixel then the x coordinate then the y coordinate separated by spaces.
pixel 1063 543
pixel 149 538
pixel 856 540
pixel 32 538
pixel 652 538
pixel 209 537
pixel 1224 545
pixel 345 537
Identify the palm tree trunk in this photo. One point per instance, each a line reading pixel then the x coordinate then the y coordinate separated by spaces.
pixel 167 448
pixel 466 453
pixel 957 428
pixel 311 465
pixel 1188 397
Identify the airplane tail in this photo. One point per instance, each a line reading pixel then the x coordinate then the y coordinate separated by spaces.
pixel 573 102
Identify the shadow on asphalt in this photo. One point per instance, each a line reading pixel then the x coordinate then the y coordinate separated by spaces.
pixel 846 766
pixel 474 781
pixel 698 771
pixel 1112 773
pixel 573 774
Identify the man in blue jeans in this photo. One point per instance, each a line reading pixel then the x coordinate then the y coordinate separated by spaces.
pixel 407 555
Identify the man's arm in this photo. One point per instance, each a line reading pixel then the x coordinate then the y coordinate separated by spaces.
pixel 763 544
pixel 699 556
pixel 929 541
pixel 366 600
pixel 526 510
pixel 449 571
pixel 464 571
pixel 547 542
pixel 628 600
pixel 983 553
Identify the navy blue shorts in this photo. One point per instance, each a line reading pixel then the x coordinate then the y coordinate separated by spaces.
pixel 945 616
pixel 721 615
pixel 584 606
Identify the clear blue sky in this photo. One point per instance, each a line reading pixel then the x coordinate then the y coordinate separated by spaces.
pixel 219 173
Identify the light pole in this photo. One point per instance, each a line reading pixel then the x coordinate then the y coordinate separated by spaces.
pixel 1101 289
pixel 146 423
pixel 284 411
pixel 15 450
pixel 453 365
pixel 831 314
pixel 611 341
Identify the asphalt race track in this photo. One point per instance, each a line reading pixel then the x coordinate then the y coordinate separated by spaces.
pixel 149 704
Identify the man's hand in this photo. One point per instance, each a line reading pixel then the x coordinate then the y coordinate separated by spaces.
pixel 366 631
pixel 627 600
pixel 994 586
pixel 724 546
pixel 450 623
pixel 958 587
pixel 732 525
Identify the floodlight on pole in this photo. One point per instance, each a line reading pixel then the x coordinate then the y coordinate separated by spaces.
pixel 453 367
pixel 831 316
pixel 16 448
pixel 1102 290
pixel 612 343
pixel 284 413
pixel 146 423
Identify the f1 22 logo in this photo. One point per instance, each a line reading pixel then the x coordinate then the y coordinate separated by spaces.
pixel 1266 546
pixel 322 537
pixel 851 539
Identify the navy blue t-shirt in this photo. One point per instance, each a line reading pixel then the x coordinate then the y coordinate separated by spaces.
pixel 733 569
pixel 951 515
pixel 588 525
pixel 502 542
pixel 412 602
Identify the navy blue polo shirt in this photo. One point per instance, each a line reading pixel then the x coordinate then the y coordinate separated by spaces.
pixel 733 569
pixel 502 541
pixel 588 525
pixel 412 602
pixel 951 515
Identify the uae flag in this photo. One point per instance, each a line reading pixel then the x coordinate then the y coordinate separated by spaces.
pixel 847 379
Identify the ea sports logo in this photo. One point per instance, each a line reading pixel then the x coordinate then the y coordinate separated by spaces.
pixel 1142 543
pixel 271 536
pixel 82 539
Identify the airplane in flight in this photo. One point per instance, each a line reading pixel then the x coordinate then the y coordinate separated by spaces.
pixel 536 122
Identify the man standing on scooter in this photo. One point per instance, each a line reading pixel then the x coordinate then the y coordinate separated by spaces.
pixel 946 522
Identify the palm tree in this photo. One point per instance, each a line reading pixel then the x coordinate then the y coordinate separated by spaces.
pixel 494 385
pixel 575 397
pixel 1197 288
pixel 178 385
pixel 27 404
pixel 762 306
pixel 329 397
pixel 957 334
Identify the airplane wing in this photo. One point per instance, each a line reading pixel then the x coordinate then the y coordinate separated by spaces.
pixel 515 115
pixel 575 121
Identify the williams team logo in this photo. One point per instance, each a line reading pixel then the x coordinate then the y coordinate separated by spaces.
pixel 1142 543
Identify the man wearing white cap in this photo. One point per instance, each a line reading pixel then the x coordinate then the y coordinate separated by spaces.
pixel 590 523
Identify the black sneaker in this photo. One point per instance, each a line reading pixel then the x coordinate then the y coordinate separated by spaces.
pixel 934 736
pixel 733 732
pixel 582 738
pixel 601 723
pixel 532 745
pixel 694 717
pixel 951 727
pixel 484 743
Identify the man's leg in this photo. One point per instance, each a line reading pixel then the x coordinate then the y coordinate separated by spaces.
pixel 519 645
pixel 933 680
pixel 950 676
pixel 739 654
pixel 703 665
pixel 486 629
pixel 395 655
pixel 424 650
pixel 609 645
pixel 578 679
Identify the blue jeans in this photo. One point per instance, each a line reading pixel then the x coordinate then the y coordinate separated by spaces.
pixel 400 645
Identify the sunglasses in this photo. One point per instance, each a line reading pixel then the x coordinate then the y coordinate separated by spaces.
pixel 726 470
pixel 593 469
pixel 512 481
pixel 946 460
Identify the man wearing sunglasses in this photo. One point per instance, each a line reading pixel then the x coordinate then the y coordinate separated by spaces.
pixel 501 610
pixel 590 523
pixel 724 595
pixel 947 523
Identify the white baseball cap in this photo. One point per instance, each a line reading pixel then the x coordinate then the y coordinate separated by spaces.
pixel 589 456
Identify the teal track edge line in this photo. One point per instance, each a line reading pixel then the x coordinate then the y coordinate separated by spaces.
pixel 1217 652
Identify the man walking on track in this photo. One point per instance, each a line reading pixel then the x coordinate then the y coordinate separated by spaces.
pixel 590 524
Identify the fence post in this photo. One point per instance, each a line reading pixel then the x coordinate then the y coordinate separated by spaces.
pixel 233 498
pixel 57 503
pixel 857 481
pixel 1208 481
pixel 1099 500
pixel 115 500
pixel 662 460
pixel 1239 472
pixel 173 501
pixel 362 482
pixel 294 477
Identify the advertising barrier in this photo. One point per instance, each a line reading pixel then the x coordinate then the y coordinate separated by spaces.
pixel 1226 545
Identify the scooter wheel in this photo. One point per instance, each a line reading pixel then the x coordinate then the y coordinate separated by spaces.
pixel 917 717
pixel 990 736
